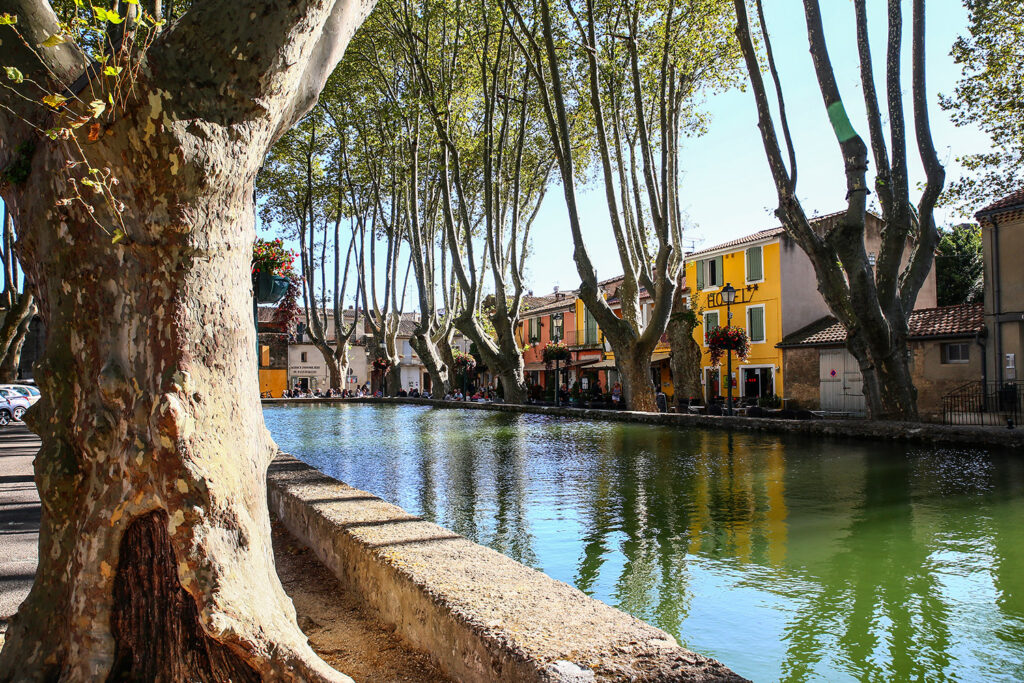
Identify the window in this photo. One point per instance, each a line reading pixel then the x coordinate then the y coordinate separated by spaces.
pixel 534 329
pixel 755 323
pixel 709 273
pixel 589 328
pixel 710 322
pixel 302 357
pixel 956 353
pixel 755 264
pixel 556 327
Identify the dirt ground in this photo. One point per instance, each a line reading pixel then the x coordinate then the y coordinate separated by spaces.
pixel 341 629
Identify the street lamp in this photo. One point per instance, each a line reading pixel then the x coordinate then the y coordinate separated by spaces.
pixel 728 296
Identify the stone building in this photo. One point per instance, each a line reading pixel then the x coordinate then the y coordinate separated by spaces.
pixel 776 297
pixel 1002 231
pixel 947 344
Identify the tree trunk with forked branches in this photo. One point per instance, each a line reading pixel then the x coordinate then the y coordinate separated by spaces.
pixel 154 546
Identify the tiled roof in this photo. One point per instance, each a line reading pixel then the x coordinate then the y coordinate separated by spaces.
pixel 551 302
pixel 945 321
pixel 761 235
pixel 1011 202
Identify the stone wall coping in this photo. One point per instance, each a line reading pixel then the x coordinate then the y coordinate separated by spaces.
pixel 909 432
pixel 482 615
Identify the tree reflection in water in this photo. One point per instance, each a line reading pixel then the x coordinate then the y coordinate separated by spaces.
pixel 786 558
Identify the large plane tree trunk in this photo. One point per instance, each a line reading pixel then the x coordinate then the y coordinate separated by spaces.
pixel 154 545
pixel 686 353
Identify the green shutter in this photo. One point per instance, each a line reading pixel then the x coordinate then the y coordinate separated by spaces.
pixel 710 323
pixel 719 273
pixel 755 272
pixel 700 275
pixel 755 319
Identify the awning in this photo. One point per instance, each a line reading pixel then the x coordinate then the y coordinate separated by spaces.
pixel 537 367
pixel 660 356
pixel 579 364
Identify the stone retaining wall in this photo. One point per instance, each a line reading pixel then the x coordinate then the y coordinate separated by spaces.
pixel 483 616
pixel 911 432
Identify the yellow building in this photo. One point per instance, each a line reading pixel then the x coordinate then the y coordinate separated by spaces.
pixel 776 295
pixel 753 265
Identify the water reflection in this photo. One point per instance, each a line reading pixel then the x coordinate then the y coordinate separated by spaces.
pixel 788 559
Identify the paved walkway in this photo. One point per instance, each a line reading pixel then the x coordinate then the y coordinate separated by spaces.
pixel 19 517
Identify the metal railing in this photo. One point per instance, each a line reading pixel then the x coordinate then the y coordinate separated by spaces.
pixel 574 340
pixel 985 403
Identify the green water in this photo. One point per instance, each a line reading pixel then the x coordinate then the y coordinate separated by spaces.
pixel 786 558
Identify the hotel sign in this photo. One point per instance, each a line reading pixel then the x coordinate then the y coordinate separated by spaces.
pixel 743 296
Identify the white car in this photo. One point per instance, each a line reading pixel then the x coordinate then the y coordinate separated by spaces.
pixel 26 390
pixel 17 402
pixel 6 412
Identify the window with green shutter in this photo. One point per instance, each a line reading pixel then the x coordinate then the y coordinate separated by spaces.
pixel 710 323
pixel 589 328
pixel 755 264
pixel 699 267
pixel 755 323
pixel 556 327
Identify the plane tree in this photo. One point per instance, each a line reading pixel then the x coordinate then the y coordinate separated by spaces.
pixel 303 190
pixel 17 304
pixel 130 151
pixel 872 298
pixel 480 109
pixel 635 71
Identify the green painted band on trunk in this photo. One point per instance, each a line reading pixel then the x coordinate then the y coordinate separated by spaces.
pixel 840 122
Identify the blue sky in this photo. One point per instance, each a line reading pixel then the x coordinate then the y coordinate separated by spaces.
pixel 727 189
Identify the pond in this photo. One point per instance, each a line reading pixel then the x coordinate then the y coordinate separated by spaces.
pixel 785 558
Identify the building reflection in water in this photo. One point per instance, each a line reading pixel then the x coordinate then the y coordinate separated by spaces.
pixel 787 558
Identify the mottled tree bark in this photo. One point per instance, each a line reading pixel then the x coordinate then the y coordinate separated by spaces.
pixel 154 545
pixel 686 352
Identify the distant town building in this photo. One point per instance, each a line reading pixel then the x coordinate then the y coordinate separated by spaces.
pixel 776 296
pixel 1002 226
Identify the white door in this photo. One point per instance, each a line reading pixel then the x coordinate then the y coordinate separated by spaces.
pixel 841 384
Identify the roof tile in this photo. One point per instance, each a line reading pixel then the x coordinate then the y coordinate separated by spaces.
pixel 1014 200
pixel 945 321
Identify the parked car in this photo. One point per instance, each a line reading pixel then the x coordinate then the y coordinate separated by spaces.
pixel 18 403
pixel 6 412
pixel 26 390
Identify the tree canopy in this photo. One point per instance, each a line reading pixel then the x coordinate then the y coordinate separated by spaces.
pixel 990 95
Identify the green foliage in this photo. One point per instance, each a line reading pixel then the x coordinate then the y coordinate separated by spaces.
pixel 959 266
pixel 989 95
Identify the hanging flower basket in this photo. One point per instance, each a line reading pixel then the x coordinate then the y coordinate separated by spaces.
pixel 555 351
pixel 463 361
pixel 270 288
pixel 272 270
pixel 381 363
pixel 724 339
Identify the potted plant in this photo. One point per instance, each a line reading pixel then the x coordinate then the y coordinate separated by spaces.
pixel 723 339
pixel 273 270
